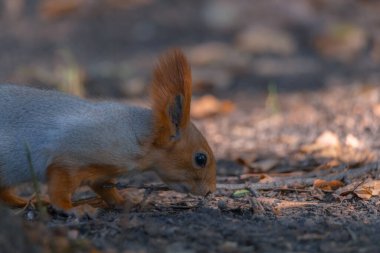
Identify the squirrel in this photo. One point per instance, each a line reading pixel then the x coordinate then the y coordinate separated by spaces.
pixel 74 142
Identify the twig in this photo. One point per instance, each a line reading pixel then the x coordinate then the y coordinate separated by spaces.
pixel 95 201
pixel 185 207
pixel 290 190
pixel 304 181
pixel 158 187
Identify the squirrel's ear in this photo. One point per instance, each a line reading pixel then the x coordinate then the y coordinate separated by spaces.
pixel 171 96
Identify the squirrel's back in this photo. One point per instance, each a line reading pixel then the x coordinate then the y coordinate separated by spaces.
pixel 53 124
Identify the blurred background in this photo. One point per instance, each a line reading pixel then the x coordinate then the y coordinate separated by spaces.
pixel 287 70
pixel 241 48
pixel 286 87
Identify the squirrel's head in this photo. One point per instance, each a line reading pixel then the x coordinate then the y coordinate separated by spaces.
pixel 181 155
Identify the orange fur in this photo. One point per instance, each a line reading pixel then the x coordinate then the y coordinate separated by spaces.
pixel 8 197
pixel 171 78
pixel 110 195
pixel 176 139
pixel 63 181
pixel 180 168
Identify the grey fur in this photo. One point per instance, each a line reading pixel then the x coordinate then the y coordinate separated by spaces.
pixel 73 130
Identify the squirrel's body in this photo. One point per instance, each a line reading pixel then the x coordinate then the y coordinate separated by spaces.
pixel 69 142
pixel 53 125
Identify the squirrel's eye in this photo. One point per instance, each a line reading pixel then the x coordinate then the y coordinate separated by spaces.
pixel 200 160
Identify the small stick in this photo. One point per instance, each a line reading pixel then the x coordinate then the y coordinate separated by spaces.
pixel 282 183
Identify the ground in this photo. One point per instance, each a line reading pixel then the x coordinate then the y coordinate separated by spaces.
pixel 287 95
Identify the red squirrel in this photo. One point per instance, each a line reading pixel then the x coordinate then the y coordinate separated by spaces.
pixel 74 142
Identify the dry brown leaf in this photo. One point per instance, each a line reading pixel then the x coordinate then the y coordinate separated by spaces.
pixel 353 142
pixel 330 164
pixel 346 190
pixel 256 164
pixel 209 105
pixel 265 178
pixel 368 189
pixel 327 145
pixel 364 193
pixel 327 185
pixel 263 165
pixel 327 140
pixel 245 159
pixel 363 190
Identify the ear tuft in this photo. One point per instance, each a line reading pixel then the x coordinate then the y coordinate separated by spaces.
pixel 171 95
pixel 176 115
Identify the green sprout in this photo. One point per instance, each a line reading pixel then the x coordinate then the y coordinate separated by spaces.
pixel 272 103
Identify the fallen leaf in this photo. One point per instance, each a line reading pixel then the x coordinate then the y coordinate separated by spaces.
pixel 257 164
pixel 263 165
pixel 329 164
pixel 265 178
pixel 327 185
pixel 363 190
pixel 368 189
pixel 327 140
pixel 363 193
pixel 246 158
pixel 353 142
pixel 208 105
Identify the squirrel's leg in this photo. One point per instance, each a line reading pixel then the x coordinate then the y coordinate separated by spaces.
pixel 62 182
pixel 110 195
pixel 61 186
pixel 8 197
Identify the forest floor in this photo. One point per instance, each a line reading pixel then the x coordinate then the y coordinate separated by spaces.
pixel 305 180
pixel 287 94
